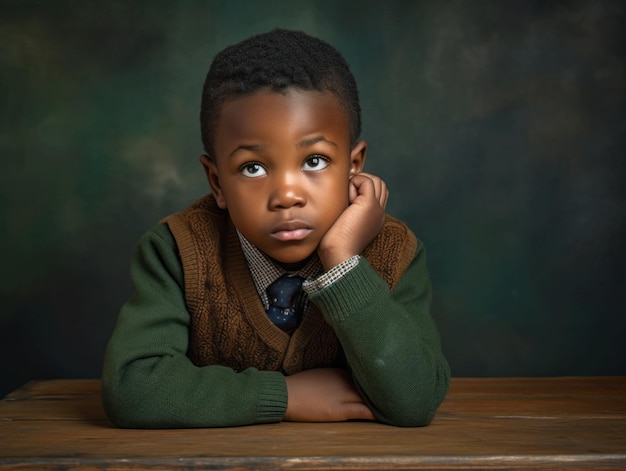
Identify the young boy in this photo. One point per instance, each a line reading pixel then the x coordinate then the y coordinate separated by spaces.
pixel 201 343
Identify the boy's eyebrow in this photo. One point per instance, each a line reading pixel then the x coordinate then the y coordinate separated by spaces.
pixel 314 140
pixel 245 147
pixel 299 145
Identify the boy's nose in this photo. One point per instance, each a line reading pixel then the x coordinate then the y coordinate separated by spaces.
pixel 287 192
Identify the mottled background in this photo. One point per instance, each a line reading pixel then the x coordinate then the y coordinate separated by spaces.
pixel 499 127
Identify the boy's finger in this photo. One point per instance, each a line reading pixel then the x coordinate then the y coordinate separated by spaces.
pixel 380 188
pixel 363 184
pixel 384 196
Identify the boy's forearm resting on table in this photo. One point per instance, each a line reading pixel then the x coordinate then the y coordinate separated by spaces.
pixel 148 380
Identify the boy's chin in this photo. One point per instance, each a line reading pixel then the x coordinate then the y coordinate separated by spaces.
pixel 294 263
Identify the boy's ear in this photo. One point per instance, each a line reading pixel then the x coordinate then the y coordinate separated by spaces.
pixel 210 169
pixel 357 157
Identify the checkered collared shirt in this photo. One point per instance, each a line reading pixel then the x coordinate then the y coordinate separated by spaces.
pixel 264 272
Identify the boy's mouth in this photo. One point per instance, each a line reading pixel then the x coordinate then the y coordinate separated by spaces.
pixel 291 231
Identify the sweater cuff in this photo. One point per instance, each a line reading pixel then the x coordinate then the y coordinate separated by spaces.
pixel 272 401
pixel 349 294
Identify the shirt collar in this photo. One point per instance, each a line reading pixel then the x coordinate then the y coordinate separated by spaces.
pixel 265 271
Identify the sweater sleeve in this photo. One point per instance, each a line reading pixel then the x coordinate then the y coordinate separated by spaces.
pixel 390 340
pixel 149 382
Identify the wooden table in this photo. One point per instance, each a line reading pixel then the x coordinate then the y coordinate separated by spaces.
pixel 488 423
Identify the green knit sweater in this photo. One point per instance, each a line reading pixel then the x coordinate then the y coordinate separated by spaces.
pixel 389 339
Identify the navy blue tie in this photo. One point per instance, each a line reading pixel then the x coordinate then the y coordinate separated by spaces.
pixel 282 296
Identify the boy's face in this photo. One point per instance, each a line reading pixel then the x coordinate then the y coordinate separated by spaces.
pixel 282 168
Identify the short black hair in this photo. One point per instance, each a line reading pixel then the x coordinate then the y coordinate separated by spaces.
pixel 278 60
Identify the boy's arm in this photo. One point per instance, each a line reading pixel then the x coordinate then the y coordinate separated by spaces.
pixel 149 382
pixel 390 340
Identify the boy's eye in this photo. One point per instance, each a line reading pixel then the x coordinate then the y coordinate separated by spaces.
pixel 252 170
pixel 315 162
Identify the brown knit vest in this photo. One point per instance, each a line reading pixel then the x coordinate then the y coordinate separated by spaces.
pixel 229 326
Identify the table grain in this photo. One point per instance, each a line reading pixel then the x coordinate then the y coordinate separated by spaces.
pixel 484 423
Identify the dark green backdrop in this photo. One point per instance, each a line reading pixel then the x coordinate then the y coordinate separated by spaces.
pixel 499 127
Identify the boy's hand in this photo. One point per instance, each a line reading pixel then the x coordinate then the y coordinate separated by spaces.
pixel 357 226
pixel 324 395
